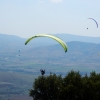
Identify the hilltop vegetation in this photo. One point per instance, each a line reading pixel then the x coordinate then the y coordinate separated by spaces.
pixel 72 87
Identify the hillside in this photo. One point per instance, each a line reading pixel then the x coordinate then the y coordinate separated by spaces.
pixel 78 52
pixel 80 55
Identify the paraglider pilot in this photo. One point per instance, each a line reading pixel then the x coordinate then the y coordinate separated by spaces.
pixel 42 72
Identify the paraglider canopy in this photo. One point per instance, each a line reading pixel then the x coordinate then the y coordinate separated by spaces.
pixel 63 44
pixel 94 21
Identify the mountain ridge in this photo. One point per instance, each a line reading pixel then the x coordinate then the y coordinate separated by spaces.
pixel 48 41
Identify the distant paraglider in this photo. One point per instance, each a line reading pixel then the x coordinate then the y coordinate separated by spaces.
pixel 19 52
pixel 63 44
pixel 94 21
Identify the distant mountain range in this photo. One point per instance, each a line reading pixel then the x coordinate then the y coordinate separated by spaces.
pixel 49 51
pixel 70 37
pixel 11 39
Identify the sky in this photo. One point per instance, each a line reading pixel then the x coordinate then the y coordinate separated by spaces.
pixel 25 18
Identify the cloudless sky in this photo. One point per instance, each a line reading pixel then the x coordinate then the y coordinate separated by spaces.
pixel 26 18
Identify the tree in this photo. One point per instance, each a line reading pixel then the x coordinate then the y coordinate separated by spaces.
pixel 92 86
pixel 71 87
pixel 46 87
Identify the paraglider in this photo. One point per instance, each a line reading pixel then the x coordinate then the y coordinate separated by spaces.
pixel 94 21
pixel 63 44
pixel 42 72
pixel 19 52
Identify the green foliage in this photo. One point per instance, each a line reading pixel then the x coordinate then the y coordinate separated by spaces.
pixel 46 87
pixel 72 87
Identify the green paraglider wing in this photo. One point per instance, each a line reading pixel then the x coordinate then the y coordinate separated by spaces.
pixel 63 44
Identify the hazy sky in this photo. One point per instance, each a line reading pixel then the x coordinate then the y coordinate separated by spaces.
pixel 26 18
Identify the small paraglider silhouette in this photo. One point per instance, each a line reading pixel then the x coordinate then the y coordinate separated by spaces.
pixel 42 72
pixel 19 51
pixel 94 21
pixel 87 28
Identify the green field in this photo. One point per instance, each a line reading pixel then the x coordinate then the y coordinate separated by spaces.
pixel 12 83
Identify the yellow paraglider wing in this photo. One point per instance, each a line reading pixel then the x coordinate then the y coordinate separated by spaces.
pixel 63 44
